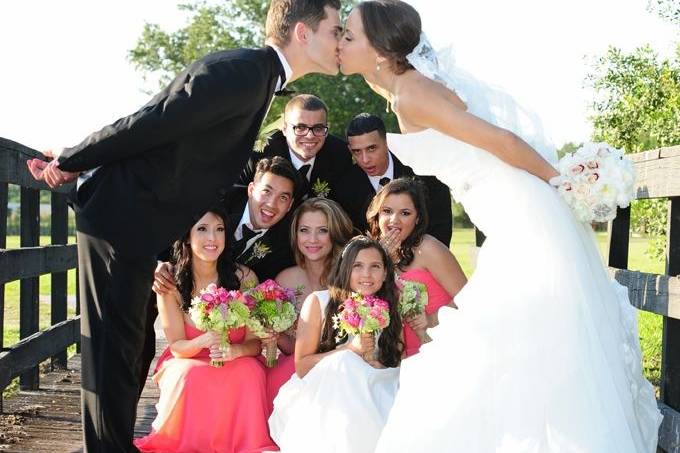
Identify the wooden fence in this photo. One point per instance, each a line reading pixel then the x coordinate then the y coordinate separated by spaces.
pixel 27 264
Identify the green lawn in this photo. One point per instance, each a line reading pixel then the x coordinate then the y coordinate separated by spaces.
pixel 650 324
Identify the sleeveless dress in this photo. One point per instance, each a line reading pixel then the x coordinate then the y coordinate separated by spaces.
pixel 543 353
pixel 340 406
pixel 208 409
pixel 437 297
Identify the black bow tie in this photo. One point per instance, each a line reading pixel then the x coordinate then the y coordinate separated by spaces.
pixel 247 233
pixel 384 181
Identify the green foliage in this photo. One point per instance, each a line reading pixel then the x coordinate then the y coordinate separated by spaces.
pixel 240 23
pixel 567 148
pixel 637 108
pixel 666 9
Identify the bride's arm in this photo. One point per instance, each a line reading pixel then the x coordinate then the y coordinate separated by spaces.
pixel 424 106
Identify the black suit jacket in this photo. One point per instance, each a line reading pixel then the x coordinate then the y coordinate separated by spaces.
pixel 332 160
pixel 162 167
pixel 356 193
pixel 269 254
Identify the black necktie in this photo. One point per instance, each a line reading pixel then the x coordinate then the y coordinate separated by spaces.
pixel 240 245
pixel 304 170
pixel 384 181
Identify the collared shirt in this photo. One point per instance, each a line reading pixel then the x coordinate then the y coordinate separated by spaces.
pixel 389 173
pixel 297 163
pixel 245 220
pixel 286 68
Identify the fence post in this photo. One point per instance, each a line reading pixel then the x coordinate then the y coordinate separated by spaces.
pixel 28 300
pixel 619 238
pixel 670 366
pixel 59 291
pixel 3 244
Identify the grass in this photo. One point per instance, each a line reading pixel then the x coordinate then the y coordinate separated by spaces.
pixel 650 325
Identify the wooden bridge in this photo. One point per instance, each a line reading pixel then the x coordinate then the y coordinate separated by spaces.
pixel 44 414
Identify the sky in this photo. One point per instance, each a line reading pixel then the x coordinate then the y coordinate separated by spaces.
pixel 64 70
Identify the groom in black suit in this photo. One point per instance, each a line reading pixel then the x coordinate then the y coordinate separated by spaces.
pixel 320 158
pixel 145 179
pixel 375 167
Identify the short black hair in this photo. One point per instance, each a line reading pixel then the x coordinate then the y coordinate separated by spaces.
pixel 279 166
pixel 364 123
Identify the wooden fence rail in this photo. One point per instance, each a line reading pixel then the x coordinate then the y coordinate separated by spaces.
pixel 27 264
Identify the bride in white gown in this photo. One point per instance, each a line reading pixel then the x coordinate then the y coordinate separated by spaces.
pixel 543 353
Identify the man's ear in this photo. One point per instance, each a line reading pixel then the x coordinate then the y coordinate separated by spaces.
pixel 251 188
pixel 300 32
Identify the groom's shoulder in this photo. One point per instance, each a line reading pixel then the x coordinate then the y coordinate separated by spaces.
pixel 256 56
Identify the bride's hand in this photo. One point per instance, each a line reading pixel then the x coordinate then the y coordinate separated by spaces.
pixel 361 344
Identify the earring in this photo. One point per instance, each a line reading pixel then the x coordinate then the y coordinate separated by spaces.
pixel 377 66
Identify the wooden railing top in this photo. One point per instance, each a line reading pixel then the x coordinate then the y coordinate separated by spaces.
pixel 13 168
pixel 658 173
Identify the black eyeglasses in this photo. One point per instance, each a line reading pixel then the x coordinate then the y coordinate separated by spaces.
pixel 319 130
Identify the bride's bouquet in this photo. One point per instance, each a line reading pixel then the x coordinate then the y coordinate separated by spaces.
pixel 412 302
pixel 362 314
pixel 273 310
pixel 594 180
pixel 219 310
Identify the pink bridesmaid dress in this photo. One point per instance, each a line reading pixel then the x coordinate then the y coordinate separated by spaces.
pixel 278 375
pixel 209 409
pixel 437 297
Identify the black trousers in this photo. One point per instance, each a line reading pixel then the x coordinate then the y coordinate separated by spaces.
pixel 149 351
pixel 114 294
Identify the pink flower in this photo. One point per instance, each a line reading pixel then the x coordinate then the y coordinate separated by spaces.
pixel 354 320
pixel 207 297
pixel 577 169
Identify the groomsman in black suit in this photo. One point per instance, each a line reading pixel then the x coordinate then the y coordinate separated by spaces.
pixel 319 157
pixel 145 179
pixel 259 225
pixel 375 167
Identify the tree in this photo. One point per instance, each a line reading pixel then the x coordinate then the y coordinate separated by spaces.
pixel 240 23
pixel 637 107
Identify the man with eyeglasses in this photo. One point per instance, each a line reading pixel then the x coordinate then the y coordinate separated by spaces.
pixel 319 158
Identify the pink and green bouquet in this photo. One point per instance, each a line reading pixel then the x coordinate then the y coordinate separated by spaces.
pixel 362 314
pixel 220 310
pixel 273 310
pixel 412 302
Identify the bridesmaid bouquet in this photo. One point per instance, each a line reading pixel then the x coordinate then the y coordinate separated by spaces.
pixel 219 310
pixel 594 180
pixel 412 302
pixel 362 314
pixel 273 309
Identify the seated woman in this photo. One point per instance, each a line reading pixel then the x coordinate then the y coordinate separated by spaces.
pixel 340 396
pixel 398 218
pixel 202 407
pixel 319 231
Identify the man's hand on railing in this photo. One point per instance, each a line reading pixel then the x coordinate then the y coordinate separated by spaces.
pixel 48 171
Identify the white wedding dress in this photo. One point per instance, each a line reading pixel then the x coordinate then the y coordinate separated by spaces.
pixel 543 353
pixel 340 406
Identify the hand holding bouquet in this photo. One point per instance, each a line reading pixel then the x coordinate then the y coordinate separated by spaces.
pixel 219 310
pixel 412 302
pixel 594 180
pixel 362 314
pixel 273 311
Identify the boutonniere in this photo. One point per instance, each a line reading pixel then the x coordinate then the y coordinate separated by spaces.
pixel 321 188
pixel 259 251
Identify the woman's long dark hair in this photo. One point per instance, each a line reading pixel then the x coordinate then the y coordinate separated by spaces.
pixel 182 260
pixel 415 189
pixel 390 344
